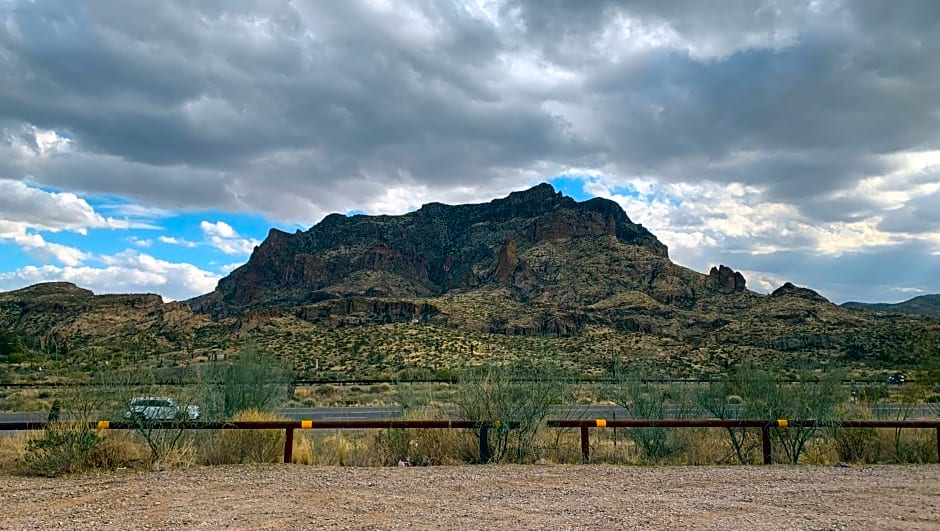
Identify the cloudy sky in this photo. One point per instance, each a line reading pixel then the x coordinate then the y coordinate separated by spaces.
pixel 148 146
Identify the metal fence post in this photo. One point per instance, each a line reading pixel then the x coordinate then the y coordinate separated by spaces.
pixel 288 444
pixel 585 444
pixel 485 443
pixel 765 443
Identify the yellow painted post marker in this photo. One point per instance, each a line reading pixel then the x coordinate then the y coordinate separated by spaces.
pixel 782 423
pixel 601 423
pixel 104 424
pixel 306 424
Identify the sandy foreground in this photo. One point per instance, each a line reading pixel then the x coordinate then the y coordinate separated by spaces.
pixel 480 497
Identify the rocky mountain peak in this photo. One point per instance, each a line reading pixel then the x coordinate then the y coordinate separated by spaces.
pixel 429 252
pixel 726 280
pixel 788 289
pixel 53 289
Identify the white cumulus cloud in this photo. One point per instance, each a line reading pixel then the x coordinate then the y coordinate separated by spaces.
pixel 223 237
pixel 125 272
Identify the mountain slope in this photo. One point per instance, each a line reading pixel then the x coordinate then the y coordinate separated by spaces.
pixel 437 249
pixel 535 276
pixel 922 305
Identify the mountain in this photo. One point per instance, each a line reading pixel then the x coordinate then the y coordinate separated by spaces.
pixel 535 276
pixel 922 305
pixel 438 249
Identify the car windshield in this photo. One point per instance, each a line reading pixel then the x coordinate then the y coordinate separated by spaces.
pixel 150 402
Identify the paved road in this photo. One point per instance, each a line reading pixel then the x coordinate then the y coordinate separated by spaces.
pixel 300 413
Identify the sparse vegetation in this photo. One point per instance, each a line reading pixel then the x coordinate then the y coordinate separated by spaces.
pixel 650 400
pixel 253 381
pixel 510 396
pixel 62 449
pixel 243 446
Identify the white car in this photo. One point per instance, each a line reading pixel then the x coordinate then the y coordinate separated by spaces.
pixel 159 408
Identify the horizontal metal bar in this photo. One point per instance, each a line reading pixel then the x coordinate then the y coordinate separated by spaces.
pixel 273 425
pixel 738 423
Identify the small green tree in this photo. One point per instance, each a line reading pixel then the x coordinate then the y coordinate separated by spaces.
pixel 646 399
pixel 809 397
pixel 519 395
pixel 253 381
pixel 723 400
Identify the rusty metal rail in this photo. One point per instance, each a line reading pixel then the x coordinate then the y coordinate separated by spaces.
pixel 288 426
pixel 764 425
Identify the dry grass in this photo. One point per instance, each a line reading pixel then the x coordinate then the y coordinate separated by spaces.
pixel 118 449
pixel 429 447
pixel 13 448
pixel 244 446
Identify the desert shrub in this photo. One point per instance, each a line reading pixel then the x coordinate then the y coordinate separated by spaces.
pixel 425 447
pixel 516 399
pixel 856 445
pixel 340 449
pixel 116 449
pixel 244 446
pixel 302 450
pixel 13 448
pixel 650 400
pixel 62 449
pixel 909 446
pixel 806 397
pixel 722 399
pixel 253 381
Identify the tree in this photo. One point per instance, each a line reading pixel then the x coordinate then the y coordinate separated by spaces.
pixel 723 399
pixel 651 400
pixel 511 396
pixel 253 381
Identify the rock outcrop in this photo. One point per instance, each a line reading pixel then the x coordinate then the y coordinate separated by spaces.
pixel 726 280
pixel 790 290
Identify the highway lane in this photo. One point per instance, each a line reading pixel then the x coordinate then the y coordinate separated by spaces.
pixel 300 413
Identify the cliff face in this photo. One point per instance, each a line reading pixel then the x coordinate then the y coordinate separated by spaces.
pixel 430 252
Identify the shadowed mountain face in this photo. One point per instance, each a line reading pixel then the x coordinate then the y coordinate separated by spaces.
pixel 431 252
pixel 923 305
pixel 534 276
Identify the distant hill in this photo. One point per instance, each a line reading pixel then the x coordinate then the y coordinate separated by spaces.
pixel 923 305
pixel 535 277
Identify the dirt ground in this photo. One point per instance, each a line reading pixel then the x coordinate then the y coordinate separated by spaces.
pixel 480 497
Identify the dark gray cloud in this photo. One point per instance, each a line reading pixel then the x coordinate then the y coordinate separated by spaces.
pixel 884 273
pixel 796 96
pixel 921 214
pixel 295 109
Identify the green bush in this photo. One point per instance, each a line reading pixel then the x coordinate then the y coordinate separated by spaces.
pixel 253 381
pixel 648 400
pixel 515 398
pixel 62 449
pixel 856 445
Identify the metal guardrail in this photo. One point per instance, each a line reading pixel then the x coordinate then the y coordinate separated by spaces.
pixel 288 426
pixel 764 425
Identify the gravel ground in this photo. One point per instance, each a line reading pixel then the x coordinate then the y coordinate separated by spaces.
pixel 480 497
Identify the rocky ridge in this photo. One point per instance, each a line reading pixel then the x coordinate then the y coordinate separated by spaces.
pixel 534 274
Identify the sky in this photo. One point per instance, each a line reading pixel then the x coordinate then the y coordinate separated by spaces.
pixel 149 146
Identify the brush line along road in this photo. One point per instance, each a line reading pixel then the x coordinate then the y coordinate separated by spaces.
pixel 880 411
